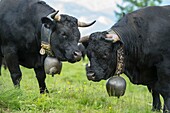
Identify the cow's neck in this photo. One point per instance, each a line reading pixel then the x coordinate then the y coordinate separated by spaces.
pixel 128 53
pixel 131 47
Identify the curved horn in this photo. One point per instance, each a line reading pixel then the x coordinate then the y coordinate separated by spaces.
pixel 83 24
pixel 52 14
pixel 112 37
pixel 55 16
pixel 84 39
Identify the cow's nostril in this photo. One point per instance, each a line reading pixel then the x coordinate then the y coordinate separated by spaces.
pixel 91 76
pixel 77 55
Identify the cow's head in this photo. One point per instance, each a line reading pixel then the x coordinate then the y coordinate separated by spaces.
pixel 101 48
pixel 63 36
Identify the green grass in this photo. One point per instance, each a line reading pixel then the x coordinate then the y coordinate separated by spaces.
pixel 70 92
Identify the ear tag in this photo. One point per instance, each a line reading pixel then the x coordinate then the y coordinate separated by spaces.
pixel 42 51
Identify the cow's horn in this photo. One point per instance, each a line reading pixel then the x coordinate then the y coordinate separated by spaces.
pixel 83 24
pixel 112 37
pixel 52 15
pixel 84 39
pixel 56 17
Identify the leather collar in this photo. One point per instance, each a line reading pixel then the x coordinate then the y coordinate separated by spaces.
pixel 46 41
pixel 120 55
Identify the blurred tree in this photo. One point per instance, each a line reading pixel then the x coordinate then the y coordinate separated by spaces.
pixel 128 6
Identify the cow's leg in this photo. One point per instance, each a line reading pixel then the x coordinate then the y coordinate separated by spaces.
pixel 0 64
pixel 166 97
pixel 156 104
pixel 40 74
pixel 13 65
pixel 166 104
pixel 163 84
pixel 4 63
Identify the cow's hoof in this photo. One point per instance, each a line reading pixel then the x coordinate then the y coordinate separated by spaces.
pixel 166 111
pixel 44 91
pixel 156 108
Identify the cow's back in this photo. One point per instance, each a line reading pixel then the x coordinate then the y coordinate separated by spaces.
pixel 157 36
pixel 21 12
pixel 21 20
pixel 146 32
pixel 20 28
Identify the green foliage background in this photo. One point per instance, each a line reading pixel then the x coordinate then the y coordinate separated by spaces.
pixel 128 6
pixel 70 92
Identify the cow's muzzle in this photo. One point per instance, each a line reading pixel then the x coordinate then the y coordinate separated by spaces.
pixel 74 56
pixel 90 74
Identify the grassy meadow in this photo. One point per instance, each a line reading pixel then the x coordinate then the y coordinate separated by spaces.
pixel 70 92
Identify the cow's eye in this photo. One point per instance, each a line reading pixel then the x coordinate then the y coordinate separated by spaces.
pixel 64 36
pixel 105 55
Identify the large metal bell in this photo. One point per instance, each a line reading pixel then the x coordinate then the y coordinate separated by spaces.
pixel 116 86
pixel 52 65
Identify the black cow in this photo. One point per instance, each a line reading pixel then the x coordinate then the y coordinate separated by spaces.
pixel 138 45
pixel 24 24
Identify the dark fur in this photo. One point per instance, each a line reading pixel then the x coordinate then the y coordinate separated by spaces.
pixel 145 35
pixel 83 50
pixel 20 37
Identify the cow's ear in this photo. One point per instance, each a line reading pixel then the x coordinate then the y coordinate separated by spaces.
pixel 47 22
